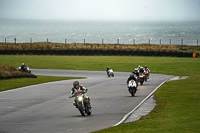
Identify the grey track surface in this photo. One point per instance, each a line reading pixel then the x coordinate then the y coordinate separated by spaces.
pixel 46 108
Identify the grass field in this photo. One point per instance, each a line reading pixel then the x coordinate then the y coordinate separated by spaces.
pixel 21 82
pixel 178 105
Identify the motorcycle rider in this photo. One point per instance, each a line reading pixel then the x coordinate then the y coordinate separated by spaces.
pixel 23 67
pixel 107 69
pixel 136 72
pixel 141 69
pixel 77 87
pixel 132 77
pixel 146 69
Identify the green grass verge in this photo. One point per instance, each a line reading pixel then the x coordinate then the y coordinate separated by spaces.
pixel 163 65
pixel 178 105
pixel 21 82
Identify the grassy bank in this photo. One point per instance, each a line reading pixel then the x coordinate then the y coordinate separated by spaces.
pixel 93 46
pixel 177 108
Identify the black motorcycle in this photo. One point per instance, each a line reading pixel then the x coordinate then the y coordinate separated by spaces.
pixel 82 103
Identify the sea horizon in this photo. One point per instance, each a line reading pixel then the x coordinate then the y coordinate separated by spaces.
pixel 96 31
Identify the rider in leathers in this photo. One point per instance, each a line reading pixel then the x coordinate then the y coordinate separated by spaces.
pixel 136 72
pixel 107 69
pixel 146 69
pixel 141 70
pixel 132 77
pixel 23 67
pixel 77 87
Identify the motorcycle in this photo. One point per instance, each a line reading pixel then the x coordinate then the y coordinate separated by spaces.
pixel 146 75
pixel 110 73
pixel 82 103
pixel 132 87
pixel 26 69
pixel 141 78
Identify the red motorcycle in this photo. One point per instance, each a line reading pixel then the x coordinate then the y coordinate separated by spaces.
pixel 146 75
pixel 141 78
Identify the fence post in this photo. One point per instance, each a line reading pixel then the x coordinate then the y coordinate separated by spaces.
pixel 197 42
pixel 160 41
pixel 65 40
pixel 15 40
pixel 149 41
pixel 5 40
pixel 170 41
pixel 133 41
pixel 47 40
pixel 102 41
pixel 181 41
pixel 30 40
pixel 118 41
pixel 84 41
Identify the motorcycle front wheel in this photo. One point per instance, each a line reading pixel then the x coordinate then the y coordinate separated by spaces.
pixel 81 109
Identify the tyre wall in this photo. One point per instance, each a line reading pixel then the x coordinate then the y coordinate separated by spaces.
pixel 97 52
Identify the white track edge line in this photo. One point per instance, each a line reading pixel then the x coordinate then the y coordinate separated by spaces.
pixel 127 115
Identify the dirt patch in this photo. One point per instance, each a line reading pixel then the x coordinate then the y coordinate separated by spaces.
pixel 7 72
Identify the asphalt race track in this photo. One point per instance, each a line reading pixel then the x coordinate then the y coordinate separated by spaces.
pixel 47 108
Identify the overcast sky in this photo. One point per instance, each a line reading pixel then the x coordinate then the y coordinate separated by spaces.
pixel 101 9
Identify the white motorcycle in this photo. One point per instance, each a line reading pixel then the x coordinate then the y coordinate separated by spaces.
pixel 110 73
pixel 26 69
pixel 132 87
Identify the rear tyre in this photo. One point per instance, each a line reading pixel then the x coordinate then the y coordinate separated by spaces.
pixel 89 111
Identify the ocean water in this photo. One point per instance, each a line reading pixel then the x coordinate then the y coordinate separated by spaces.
pixel 128 32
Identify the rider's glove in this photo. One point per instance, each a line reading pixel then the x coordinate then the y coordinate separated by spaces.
pixel 71 96
pixel 85 91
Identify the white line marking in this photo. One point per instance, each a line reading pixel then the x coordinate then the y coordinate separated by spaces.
pixel 127 115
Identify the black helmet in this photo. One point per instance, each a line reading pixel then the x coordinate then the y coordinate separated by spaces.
pixel 145 66
pixel 76 84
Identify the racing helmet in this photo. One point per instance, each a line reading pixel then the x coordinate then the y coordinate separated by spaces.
pixel 145 66
pixel 136 70
pixel 131 75
pixel 22 63
pixel 141 67
pixel 76 84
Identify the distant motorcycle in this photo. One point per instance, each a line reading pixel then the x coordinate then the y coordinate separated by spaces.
pixel 26 69
pixel 82 103
pixel 141 78
pixel 146 75
pixel 110 73
pixel 132 87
